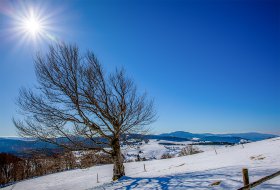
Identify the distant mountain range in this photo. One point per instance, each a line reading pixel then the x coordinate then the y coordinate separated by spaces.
pixel 18 145
pixel 231 137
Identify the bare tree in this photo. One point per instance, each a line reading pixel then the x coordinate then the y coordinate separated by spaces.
pixel 75 103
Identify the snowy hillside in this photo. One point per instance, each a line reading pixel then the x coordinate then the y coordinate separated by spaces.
pixel 154 149
pixel 197 171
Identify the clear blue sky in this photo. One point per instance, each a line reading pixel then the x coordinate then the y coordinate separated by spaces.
pixel 212 66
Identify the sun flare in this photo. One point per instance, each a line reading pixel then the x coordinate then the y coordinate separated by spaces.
pixel 32 26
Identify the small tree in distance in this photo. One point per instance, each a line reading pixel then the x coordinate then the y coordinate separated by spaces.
pixel 75 103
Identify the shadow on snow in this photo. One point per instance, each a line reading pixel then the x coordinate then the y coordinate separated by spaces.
pixel 230 178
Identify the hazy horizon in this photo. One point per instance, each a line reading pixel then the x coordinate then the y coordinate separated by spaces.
pixel 178 131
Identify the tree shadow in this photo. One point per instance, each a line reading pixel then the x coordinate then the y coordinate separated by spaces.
pixel 230 178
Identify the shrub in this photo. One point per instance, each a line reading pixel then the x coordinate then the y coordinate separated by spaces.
pixel 166 156
pixel 189 150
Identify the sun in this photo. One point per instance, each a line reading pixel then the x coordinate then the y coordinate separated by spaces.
pixel 32 26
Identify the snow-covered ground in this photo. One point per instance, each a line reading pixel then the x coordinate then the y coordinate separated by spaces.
pixel 154 149
pixel 197 171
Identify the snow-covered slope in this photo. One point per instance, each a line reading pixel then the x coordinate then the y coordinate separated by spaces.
pixel 190 172
pixel 154 149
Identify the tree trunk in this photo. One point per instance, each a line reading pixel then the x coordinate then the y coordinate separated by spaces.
pixel 118 170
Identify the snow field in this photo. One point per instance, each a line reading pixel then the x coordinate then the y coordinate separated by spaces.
pixel 197 171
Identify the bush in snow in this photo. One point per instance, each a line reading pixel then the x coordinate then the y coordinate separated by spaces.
pixel 167 155
pixel 92 158
pixel 189 150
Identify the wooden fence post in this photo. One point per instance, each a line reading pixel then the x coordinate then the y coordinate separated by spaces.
pixel 97 180
pixel 245 177
pixel 215 149
pixel 258 182
pixel 145 168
